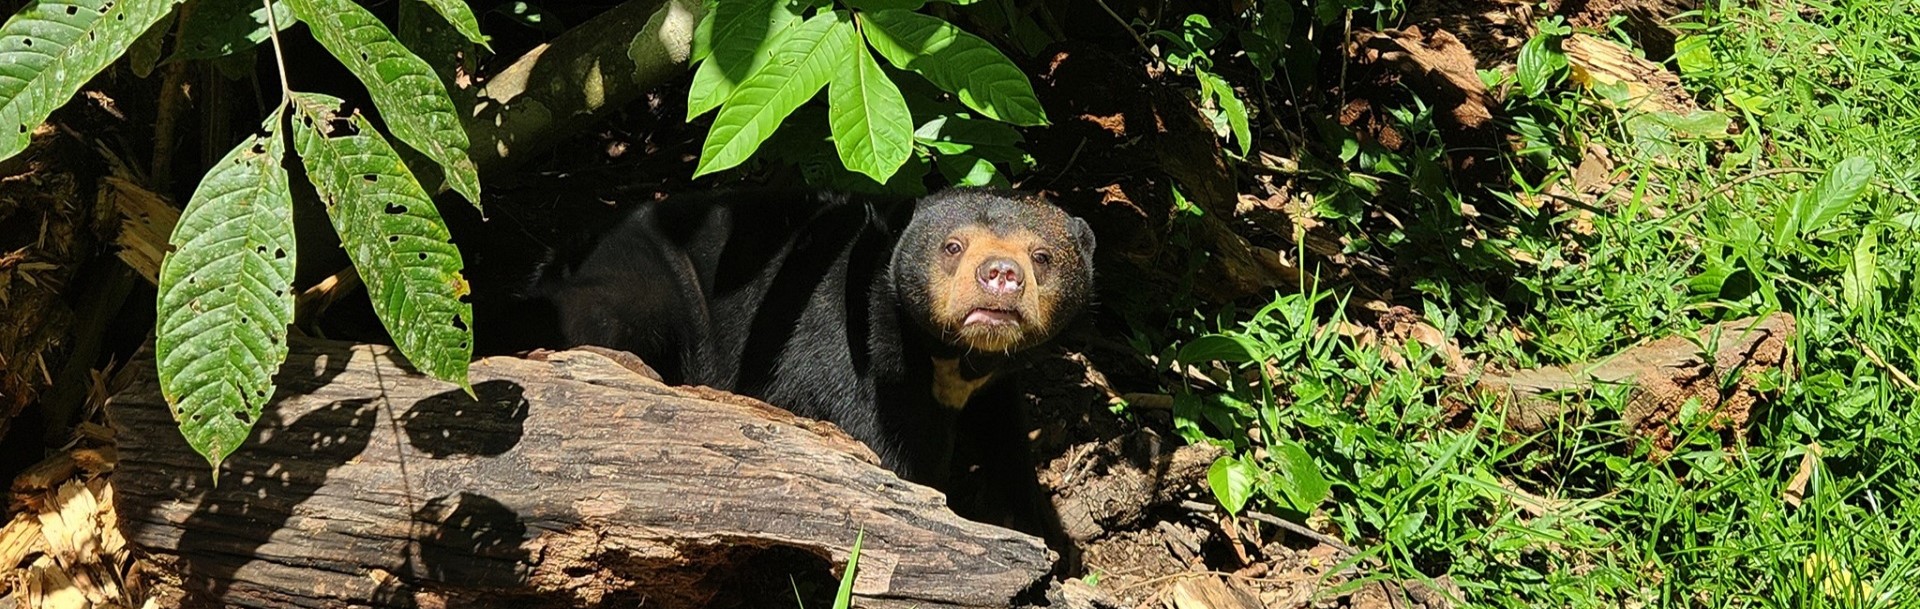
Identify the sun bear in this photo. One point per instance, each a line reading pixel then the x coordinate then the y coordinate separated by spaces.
pixel 885 319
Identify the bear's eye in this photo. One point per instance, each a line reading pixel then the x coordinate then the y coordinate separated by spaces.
pixel 1042 257
pixel 952 248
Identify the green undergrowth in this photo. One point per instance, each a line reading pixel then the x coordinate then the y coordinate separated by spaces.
pixel 1791 190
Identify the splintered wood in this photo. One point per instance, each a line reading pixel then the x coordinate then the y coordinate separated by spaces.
pixel 63 548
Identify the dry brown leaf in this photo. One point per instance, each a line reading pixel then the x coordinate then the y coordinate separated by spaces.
pixel 1796 490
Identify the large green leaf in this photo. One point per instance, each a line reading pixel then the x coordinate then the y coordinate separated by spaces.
pixel 1235 110
pixel 217 28
pixel 732 44
pixel 411 97
pixel 457 13
pixel 872 128
pixel 49 49
pixel 959 62
pixel 1232 482
pixel 393 233
pixel 1833 195
pixel 803 60
pixel 226 296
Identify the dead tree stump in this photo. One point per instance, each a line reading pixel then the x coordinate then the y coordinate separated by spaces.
pixel 570 482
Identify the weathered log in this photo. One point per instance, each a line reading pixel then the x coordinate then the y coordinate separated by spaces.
pixel 572 481
pixel 1721 369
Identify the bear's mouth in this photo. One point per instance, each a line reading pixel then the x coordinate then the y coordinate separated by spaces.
pixel 991 318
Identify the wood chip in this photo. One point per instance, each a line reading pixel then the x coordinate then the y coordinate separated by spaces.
pixel 1796 490
pixel 1211 593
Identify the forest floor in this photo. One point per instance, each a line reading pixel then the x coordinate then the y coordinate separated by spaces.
pixel 1659 352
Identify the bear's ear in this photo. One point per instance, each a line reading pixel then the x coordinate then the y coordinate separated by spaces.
pixel 1082 237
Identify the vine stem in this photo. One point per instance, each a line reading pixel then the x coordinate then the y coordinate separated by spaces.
pixel 279 55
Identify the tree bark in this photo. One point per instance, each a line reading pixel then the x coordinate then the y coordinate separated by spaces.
pixel 556 89
pixel 572 481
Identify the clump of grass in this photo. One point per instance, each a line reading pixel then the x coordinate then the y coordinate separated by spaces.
pixel 1807 206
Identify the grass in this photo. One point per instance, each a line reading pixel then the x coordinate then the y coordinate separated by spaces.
pixel 1825 96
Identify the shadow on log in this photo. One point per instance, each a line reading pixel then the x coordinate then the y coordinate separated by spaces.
pixel 570 482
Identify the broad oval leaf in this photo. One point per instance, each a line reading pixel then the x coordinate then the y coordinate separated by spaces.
pixel 731 45
pixel 48 50
pixel 1305 486
pixel 218 28
pixel 1221 347
pixel 1834 194
pixel 872 128
pixel 1232 482
pixel 393 233
pixel 226 297
pixel 803 61
pixel 956 61
pixel 410 96
pixel 460 16
pixel 1533 69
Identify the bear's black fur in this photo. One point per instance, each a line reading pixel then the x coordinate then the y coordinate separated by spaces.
pixel 883 318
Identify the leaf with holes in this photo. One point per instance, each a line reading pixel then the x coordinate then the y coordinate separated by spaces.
pixel 956 61
pixel 872 128
pixel 410 96
pixel 226 297
pixel 48 50
pixel 427 34
pixel 458 14
pixel 218 28
pixel 803 60
pixel 390 229
pixel 732 43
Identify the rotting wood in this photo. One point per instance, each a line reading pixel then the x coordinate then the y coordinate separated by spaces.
pixel 1598 62
pixel 1721 367
pixel 572 482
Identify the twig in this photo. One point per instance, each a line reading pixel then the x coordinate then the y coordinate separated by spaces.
pixel 1874 356
pixel 1282 523
pixel 279 55
pixel 1127 26
pixel 1728 187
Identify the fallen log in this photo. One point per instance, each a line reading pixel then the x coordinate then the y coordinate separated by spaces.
pixel 1721 369
pixel 570 482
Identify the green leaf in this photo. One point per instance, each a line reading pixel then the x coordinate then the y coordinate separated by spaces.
pixel 226 297
pixel 871 126
pixel 885 5
pixel 411 98
pixel 1859 286
pixel 393 233
pixel 1833 195
pixel 458 14
pixel 955 61
pixel 1534 68
pixel 145 52
pixel 802 63
pixel 969 170
pixel 1217 89
pixel 1228 348
pixel 1305 486
pixel 1232 482
pixel 735 37
pixel 48 50
pixel 843 597
pixel 218 28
